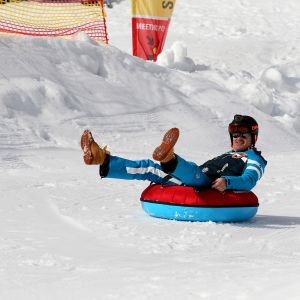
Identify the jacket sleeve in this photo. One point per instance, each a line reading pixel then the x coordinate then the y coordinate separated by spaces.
pixel 252 173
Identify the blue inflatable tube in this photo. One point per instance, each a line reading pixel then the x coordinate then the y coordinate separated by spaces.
pixel 185 204
pixel 203 214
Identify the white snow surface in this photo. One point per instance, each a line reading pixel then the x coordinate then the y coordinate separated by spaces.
pixel 67 234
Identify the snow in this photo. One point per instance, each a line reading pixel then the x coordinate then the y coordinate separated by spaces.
pixel 176 58
pixel 67 234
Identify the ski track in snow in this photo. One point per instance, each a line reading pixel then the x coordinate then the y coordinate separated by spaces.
pixel 67 234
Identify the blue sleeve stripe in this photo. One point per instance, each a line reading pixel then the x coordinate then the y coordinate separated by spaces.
pixel 261 170
pixel 257 170
pixel 256 163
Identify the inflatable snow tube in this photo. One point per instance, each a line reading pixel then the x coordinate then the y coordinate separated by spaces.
pixel 183 203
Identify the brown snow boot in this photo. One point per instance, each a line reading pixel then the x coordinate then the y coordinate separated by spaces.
pixel 165 151
pixel 93 154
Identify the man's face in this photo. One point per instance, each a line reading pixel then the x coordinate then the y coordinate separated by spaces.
pixel 241 141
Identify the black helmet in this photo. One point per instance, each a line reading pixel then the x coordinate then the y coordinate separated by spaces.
pixel 244 124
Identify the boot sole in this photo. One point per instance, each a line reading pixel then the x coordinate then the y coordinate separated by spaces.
pixel 168 142
pixel 85 143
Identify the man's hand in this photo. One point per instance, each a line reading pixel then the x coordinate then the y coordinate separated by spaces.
pixel 219 184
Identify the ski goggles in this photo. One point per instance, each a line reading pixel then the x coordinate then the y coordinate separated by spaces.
pixel 240 134
pixel 232 128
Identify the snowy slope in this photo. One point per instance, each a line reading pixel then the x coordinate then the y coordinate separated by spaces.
pixel 66 234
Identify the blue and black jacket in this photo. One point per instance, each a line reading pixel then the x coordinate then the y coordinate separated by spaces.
pixel 241 170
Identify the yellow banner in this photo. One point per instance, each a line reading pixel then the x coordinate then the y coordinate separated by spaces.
pixel 153 8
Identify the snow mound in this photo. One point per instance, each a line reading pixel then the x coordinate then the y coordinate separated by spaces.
pixel 176 58
pixel 51 89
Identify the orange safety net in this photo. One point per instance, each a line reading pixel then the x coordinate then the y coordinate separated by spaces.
pixel 53 18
